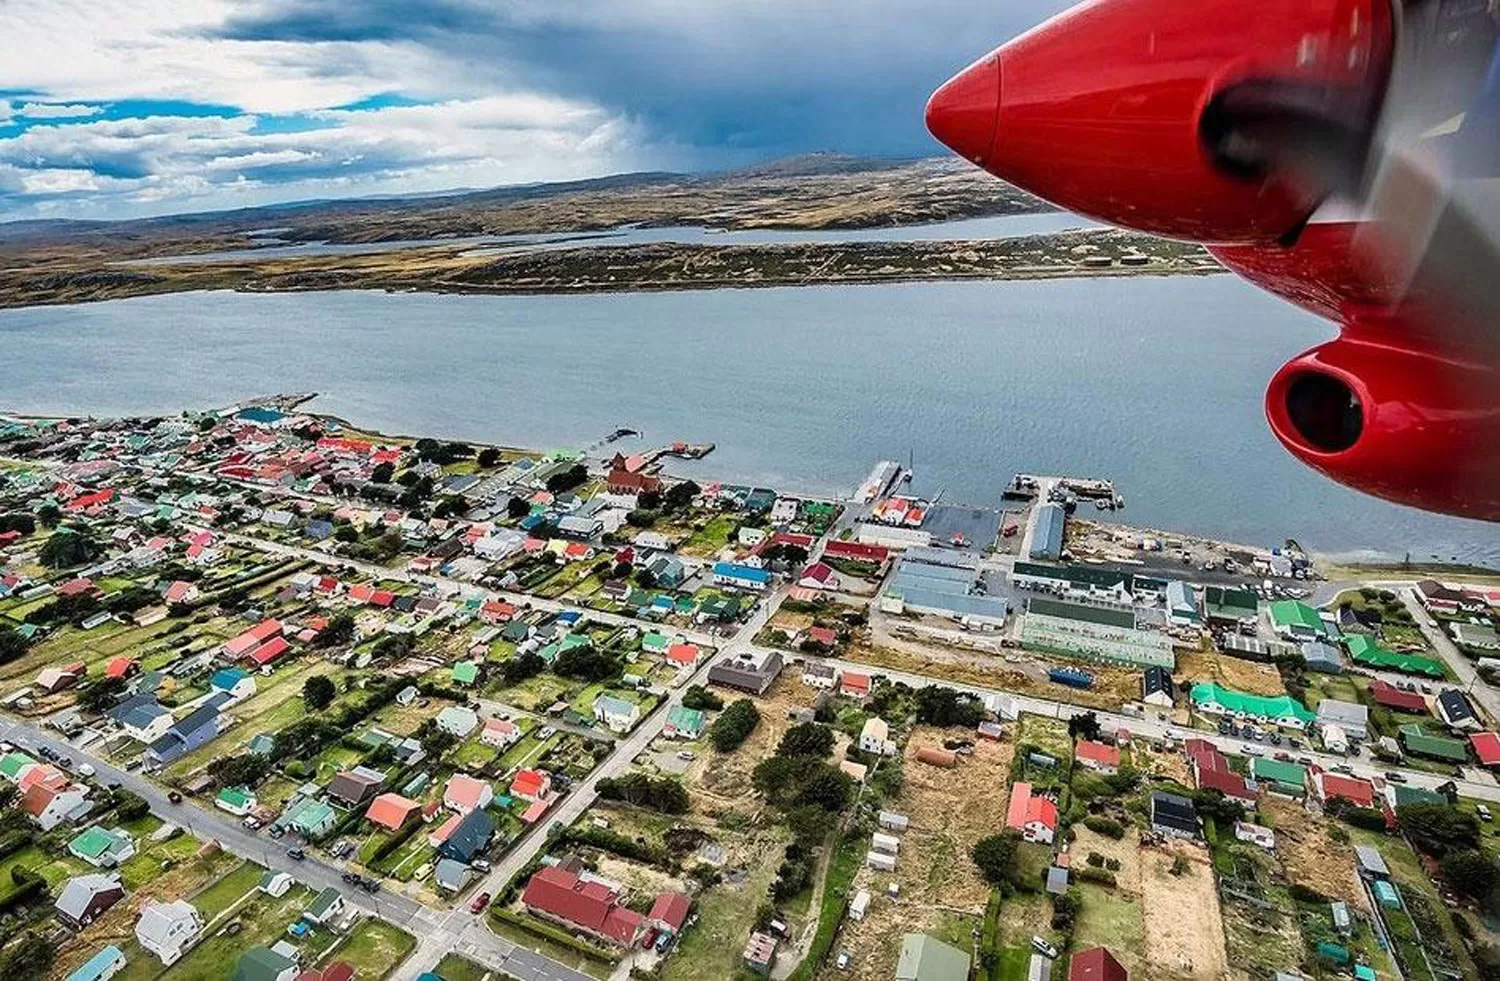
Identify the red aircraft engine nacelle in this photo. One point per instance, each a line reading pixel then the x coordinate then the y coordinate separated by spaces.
pixel 1156 114
pixel 1402 422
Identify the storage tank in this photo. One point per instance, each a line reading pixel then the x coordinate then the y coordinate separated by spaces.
pixel 938 757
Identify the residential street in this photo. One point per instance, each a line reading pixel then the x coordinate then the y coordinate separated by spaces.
pixel 1468 675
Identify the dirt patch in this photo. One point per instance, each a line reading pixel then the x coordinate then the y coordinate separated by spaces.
pixel 1171 766
pixel 1127 851
pixel 1184 936
pixel 792 623
pixel 726 776
pixel 1309 855
pixel 1245 676
pixel 637 878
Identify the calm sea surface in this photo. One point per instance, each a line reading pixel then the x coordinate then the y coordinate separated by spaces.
pixel 1155 382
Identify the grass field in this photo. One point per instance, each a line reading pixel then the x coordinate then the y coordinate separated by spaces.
pixel 455 968
pixel 375 948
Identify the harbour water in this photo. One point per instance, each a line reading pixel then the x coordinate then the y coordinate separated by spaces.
pixel 1154 382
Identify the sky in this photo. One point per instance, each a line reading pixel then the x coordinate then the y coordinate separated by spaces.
pixel 125 108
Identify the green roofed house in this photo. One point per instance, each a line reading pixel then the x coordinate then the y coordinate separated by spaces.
pixel 924 958
pixel 1420 742
pixel 1298 621
pixel 1230 607
pixel 1405 793
pixel 264 964
pixel 11 765
pixel 1278 776
pixel 465 673
pixel 1283 710
pixel 1367 652
pixel 311 818
pixel 655 643
pixel 102 849
pixel 683 723
pixel 238 801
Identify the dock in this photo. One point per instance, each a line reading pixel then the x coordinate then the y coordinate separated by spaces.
pixel 881 479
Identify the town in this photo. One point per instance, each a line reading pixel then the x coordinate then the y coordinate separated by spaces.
pixel 284 699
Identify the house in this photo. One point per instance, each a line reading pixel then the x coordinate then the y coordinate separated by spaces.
pixel 591 907
pixel 626 482
pixel 1283 710
pixel 335 971
pixel 451 876
pixel 101 967
pixel 465 673
pixel 55 679
pixel 1095 964
pixel 1157 688
pixel 1486 748
pixel 734 575
pixel 531 785
pixel 819 575
pixel 1392 697
pixel 142 718
pixel 924 958
pixel 188 733
pixel 1295 620
pixel 500 733
pixel 237 683
pixel 1099 757
pixel 1034 816
pixel 310 818
pixel 683 723
pixel 1454 710
pixel 816 674
pixel 760 953
pixel 668 571
pixel 167 929
pixel 238 801
pixel 1173 815
pixel 471 837
pixel 1334 786
pixel 392 811
pixel 616 713
pixel 1323 657
pixel 1230 607
pixel 457 721
pixel 855 684
pixel 275 884
pixel 1441 599
pixel 1366 651
pixel 465 793
pixel 1280 776
pixel 352 788
pixel 325 907
pixel 1211 771
pixel 85 897
pixel 1182 604
pixel 1419 742
pixel 1352 717
pixel 669 911
pixel 749 671
pixel 251 639
pixel 261 963
pixel 684 656
pixel 875 737
pixel 50 805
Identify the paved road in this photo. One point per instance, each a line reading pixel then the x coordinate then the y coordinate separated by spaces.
pixel 1155 728
pixel 1468 675
pixel 401 575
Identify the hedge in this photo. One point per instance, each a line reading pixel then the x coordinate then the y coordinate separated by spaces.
pixel 557 935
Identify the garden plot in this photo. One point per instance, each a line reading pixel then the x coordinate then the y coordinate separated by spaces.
pixel 1310 856
pixel 1184 936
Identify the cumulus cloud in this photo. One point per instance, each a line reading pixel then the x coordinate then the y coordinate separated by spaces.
pixel 452 92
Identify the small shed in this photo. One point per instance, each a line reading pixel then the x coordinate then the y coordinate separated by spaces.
pixel 860 906
pixel 1040 968
pixel 938 757
pixel 885 843
pixel 1386 894
pixel 892 821
pixel 881 861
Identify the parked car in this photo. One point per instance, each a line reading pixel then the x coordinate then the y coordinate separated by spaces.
pixel 370 885
pixel 843 961
pixel 1395 777
pixel 296 854
pixel 687 755
pixel 480 902
pixel 86 769
pixel 275 831
pixel 174 797
pixel 1250 750
pixel 546 732
pixel 251 822
pixel 1484 813
pixel 353 878
pixel 1044 948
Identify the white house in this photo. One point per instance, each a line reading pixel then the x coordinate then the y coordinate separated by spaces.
pixel 237 683
pixel 500 733
pixel 167 929
pixel 49 808
pixel 457 721
pixel 875 737
pixel 818 675
pixel 616 713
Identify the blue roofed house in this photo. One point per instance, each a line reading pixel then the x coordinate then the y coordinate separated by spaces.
pixel 104 965
pixel 142 718
pixel 668 570
pixel 616 713
pixel 1047 539
pixel 471 837
pixel 237 683
pixel 737 576
pixel 198 728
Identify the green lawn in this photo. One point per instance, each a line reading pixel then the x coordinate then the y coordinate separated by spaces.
pixel 455 968
pixel 1107 918
pixel 218 897
pixel 375 948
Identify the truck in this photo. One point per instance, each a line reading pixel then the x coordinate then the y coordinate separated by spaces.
pixel 1072 677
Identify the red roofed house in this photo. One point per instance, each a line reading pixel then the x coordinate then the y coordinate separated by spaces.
pixel 1486 747
pixel 823 636
pixel 621 481
pixel 77 587
pixel 252 638
pixel 361 593
pixel 181 592
pixel 337 971
pixel 1100 757
pixel 499 733
pixel 855 684
pixel 1211 771
pixel 1392 697
pixel 49 804
pixel 1334 786
pixel 392 811
pixel 670 912
pixel 465 794
pixel 683 655
pixel 1035 817
pixel 819 575
pixel 558 895
pixel 382 598
pixel 1095 964
pixel 268 652
pixel 91 503
pixel 531 785
pixel 496 612
pixel 120 667
pixel 445 830
pixel 874 554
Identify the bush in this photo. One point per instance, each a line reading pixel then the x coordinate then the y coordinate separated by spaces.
pixel 734 726
pixel 698 697
pixel 1106 826
pixel 993 856
pixel 663 794
pixel 1096 860
pixel 1306 894
pixel 1102 877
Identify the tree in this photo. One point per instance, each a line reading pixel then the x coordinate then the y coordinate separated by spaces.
pixel 568 479
pixel 383 472
pixel 778 778
pixel 130 806
pixel 645 578
pixel 698 697
pixel 28 959
pixel 586 663
pixel 17 521
pixel 663 794
pixel 48 515
pixel 488 457
pixel 1438 828
pixel 806 739
pixel 1084 725
pixel 517 508
pixel 939 706
pixel 67 547
pixel 680 495
pixel 318 692
pixel 12 645
pixel 521 667
pixel 828 787
pixel 340 630
pixel 101 695
pixel 641 518
pixel 1470 872
pixel 242 770
pixel 992 856
pixel 734 725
